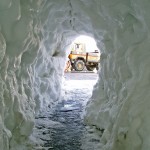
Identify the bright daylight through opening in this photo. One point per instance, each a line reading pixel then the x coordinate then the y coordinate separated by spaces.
pixel 83 55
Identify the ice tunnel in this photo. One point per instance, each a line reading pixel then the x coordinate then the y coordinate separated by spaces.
pixel 33 37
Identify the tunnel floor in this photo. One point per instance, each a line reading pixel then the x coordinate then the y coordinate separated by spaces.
pixel 63 128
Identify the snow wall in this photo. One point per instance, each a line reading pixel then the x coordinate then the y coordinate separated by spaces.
pixel 33 37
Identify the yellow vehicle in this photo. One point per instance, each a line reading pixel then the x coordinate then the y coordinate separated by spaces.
pixel 79 58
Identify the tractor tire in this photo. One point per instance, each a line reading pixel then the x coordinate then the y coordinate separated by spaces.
pixel 79 65
pixel 90 68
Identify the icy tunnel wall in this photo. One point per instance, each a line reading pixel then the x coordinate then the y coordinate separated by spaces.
pixel 31 63
pixel 33 35
pixel 120 102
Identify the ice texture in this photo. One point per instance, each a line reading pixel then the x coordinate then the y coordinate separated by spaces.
pixel 34 35
pixel 31 64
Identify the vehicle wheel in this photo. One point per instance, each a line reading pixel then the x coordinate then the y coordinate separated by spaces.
pixel 89 68
pixel 79 65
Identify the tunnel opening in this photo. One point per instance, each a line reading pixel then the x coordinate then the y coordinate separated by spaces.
pixel 83 55
pixel 62 125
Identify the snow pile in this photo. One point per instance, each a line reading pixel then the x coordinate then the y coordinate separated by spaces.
pixel 33 37
pixel 31 64
pixel 120 102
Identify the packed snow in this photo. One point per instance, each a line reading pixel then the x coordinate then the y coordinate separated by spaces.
pixel 62 126
pixel 34 35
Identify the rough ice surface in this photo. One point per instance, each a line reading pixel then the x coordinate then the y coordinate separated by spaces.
pixel 33 38
pixel 62 126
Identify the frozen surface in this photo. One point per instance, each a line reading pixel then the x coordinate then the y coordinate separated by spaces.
pixel 34 35
pixel 63 128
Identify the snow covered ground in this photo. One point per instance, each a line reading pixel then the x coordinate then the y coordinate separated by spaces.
pixel 63 128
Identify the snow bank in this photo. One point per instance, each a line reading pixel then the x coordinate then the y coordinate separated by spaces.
pixel 33 37
pixel 120 102
pixel 31 64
